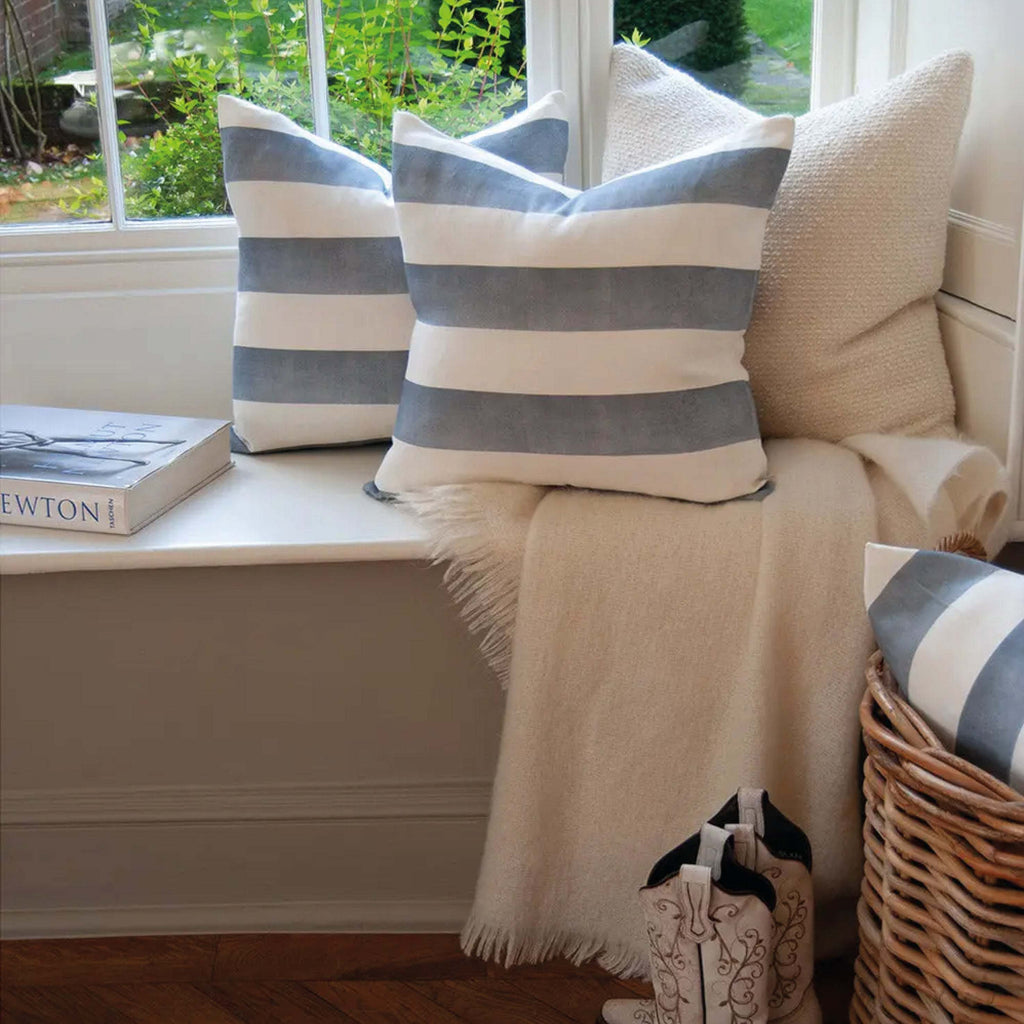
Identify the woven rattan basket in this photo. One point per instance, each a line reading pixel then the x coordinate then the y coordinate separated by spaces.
pixel 941 913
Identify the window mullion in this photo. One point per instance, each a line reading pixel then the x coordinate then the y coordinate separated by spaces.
pixel 833 51
pixel 317 67
pixel 553 62
pixel 596 35
pixel 109 142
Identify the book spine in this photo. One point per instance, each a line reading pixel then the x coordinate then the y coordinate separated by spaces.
pixel 62 507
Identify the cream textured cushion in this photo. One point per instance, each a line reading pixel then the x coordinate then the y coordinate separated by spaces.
pixel 844 337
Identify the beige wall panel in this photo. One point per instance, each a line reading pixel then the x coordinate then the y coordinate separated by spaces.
pixel 212 868
pixel 988 191
pixel 241 676
pixel 159 352
pixel 982 371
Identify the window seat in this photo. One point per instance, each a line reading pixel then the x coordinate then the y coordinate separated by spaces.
pixel 269 509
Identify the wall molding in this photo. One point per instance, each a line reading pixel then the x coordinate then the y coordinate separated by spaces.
pixel 450 799
pixel 988 229
pixel 992 325
pixel 79 257
pixel 406 916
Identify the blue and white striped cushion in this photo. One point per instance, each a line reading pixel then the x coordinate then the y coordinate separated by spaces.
pixel 323 317
pixel 592 339
pixel 951 630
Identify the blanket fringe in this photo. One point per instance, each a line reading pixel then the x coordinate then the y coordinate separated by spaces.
pixel 490 942
pixel 473 528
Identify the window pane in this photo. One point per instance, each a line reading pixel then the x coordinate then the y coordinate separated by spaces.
pixel 170 59
pixel 50 163
pixel 757 51
pixel 459 65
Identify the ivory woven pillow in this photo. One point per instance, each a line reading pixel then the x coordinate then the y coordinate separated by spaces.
pixel 591 339
pixel 951 630
pixel 323 315
pixel 844 337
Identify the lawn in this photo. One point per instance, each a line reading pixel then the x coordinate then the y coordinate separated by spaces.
pixel 785 25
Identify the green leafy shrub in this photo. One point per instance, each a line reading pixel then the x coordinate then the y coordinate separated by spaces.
pixel 178 172
pixel 726 40
pixel 515 49
pixel 382 56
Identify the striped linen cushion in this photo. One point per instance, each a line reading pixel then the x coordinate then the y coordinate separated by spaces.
pixel 592 339
pixel 323 316
pixel 951 630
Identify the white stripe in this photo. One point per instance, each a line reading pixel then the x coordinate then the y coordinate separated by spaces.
pixel 881 563
pixel 683 234
pixel 378 323
pixel 573 362
pixel 707 476
pixel 409 130
pixel 294 209
pixel 956 648
pixel 233 112
pixel 265 426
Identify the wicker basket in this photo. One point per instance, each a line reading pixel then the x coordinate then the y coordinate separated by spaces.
pixel 941 913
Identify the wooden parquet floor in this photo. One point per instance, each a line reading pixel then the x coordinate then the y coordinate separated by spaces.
pixel 305 979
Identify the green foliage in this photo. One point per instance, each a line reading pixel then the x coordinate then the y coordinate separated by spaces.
pixel 785 26
pixel 178 174
pixel 515 50
pixel 726 41
pixel 382 56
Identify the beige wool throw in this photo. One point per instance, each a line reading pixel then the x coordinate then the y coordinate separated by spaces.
pixel 660 654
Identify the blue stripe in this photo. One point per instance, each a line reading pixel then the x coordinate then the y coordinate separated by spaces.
pixel 583 298
pixel 661 423
pixel 993 714
pixel 923 588
pixel 315 377
pixel 540 146
pixel 321 266
pixel 744 177
pixel 258 154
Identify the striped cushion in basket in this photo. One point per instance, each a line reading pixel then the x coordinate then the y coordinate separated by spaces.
pixel 323 317
pixel 592 339
pixel 951 630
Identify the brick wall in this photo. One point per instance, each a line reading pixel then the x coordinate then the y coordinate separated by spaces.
pixel 48 26
pixel 41 25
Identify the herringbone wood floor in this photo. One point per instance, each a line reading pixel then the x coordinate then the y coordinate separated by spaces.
pixel 305 979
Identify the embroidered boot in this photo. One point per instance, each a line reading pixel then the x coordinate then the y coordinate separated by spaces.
pixel 709 924
pixel 765 840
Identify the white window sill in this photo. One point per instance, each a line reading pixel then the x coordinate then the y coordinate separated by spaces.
pixel 268 509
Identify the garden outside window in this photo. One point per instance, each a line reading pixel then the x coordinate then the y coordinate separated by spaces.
pixel 108 107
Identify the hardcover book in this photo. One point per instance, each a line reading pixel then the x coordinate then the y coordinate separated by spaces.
pixel 105 472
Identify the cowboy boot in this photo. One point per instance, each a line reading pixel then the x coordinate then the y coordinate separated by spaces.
pixel 766 841
pixel 709 924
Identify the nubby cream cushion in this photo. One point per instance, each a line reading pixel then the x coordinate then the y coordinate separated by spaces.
pixel 591 339
pixel 844 338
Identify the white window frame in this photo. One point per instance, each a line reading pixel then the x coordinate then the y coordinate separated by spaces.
pixel 568 42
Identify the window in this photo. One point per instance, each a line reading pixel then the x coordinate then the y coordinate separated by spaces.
pixel 124 131
pixel 757 51
pixel 127 130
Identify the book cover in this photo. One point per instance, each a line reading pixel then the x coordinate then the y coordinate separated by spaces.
pixel 101 471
